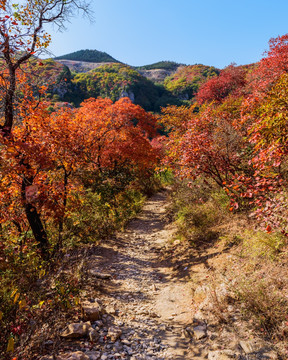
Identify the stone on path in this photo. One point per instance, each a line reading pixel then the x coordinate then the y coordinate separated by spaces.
pixel 222 355
pixel 258 348
pixel 91 311
pixel 77 330
pixel 114 333
pixel 93 335
pixel 251 346
pixel 93 355
pixel 99 275
pixel 78 355
pixel 199 332
pixel 110 309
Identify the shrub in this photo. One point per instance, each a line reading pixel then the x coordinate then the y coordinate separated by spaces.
pixel 198 210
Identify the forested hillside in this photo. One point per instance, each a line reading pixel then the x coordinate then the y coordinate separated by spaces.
pixel 88 56
pixel 173 86
pixel 79 155
pixel 165 65
pixel 116 81
pixel 187 80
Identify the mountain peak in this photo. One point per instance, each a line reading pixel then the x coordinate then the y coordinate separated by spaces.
pixel 87 55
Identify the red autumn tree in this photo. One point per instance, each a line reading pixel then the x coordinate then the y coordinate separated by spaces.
pixel 230 82
pixel 22 35
pixel 116 134
pixel 264 115
pixel 208 145
pixel 271 67
pixel 49 152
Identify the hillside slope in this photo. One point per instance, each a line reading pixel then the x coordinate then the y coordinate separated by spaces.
pixel 173 80
pixel 185 82
pixel 81 66
pixel 88 56
pixel 116 81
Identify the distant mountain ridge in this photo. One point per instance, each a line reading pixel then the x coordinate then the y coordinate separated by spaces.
pixel 94 56
pixel 165 65
pixel 78 59
pixel 92 73
pixel 83 61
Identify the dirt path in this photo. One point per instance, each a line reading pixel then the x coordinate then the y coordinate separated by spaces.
pixel 149 300
pixel 152 305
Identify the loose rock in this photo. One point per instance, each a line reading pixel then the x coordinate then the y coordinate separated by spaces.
pixel 110 309
pixel 78 355
pixel 222 355
pixel 93 335
pixel 77 330
pixel 114 333
pixel 251 346
pixel 93 355
pixel 199 332
pixel 91 311
pixel 99 275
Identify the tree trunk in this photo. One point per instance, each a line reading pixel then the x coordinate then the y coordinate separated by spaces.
pixel 9 99
pixel 34 220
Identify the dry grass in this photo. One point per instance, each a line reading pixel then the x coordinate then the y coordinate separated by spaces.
pixel 252 264
pixel 260 283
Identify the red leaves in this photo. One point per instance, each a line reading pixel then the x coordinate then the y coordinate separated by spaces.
pixel 99 137
pixel 239 136
pixel 120 133
pixel 230 81
pixel 201 145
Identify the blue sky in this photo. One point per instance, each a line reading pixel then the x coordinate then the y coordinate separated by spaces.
pixel 140 32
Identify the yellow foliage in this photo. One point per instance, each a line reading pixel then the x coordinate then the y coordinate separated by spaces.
pixel 16 297
pixel 62 290
pixel 10 345
pixel 22 304
pixel 14 292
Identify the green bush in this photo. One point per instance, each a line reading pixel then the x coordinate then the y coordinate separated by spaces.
pixel 198 209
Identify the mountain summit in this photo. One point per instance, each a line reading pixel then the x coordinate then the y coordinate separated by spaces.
pixel 93 56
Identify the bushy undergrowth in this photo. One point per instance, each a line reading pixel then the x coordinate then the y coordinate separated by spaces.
pixel 260 282
pixel 257 266
pixel 94 215
pixel 198 209
pixel 96 219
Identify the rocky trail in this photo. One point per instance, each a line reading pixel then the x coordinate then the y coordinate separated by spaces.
pixel 139 303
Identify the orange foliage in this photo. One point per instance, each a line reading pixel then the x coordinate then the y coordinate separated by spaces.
pixel 43 159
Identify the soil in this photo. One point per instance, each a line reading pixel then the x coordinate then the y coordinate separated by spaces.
pixel 145 287
pixel 154 292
